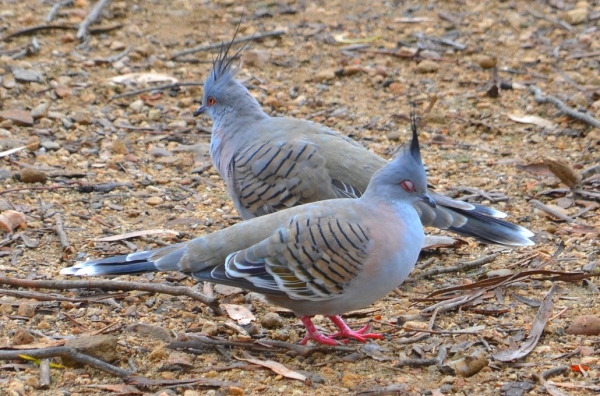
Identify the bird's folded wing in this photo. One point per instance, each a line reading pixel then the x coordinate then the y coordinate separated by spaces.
pixel 272 175
pixel 310 259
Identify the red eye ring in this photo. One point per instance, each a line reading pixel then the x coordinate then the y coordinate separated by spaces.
pixel 210 101
pixel 407 185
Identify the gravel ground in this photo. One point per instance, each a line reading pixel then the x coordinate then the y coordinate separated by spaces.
pixel 92 158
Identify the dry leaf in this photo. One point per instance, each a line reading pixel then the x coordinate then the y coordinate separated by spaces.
pixel 375 352
pixel 469 365
pixel 10 220
pixel 135 234
pixel 275 366
pixel 530 119
pixel 239 313
pixel 442 241
pixel 563 171
pixel 537 168
pixel 537 328
pixel 227 290
pixel 141 78
pixel 341 38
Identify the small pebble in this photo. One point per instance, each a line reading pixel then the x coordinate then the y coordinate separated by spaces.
pixel 29 175
pixel 588 325
pixel 154 201
pixel 22 337
pixel 137 106
pixel 154 114
pixel 427 66
pixel 272 320
pixel 49 145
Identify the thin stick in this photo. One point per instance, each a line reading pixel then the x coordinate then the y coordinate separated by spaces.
pixel 540 98
pixel 91 18
pixel 35 29
pixel 584 55
pixel 158 88
pixel 438 360
pixel 569 80
pixel 56 7
pixel 69 353
pixel 208 47
pixel 52 297
pixel 39 188
pixel 461 267
pixel 114 58
pixel 60 231
pixel 111 285
pixel 551 211
pixel 558 22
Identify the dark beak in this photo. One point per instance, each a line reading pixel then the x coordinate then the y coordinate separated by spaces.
pixel 200 110
pixel 427 199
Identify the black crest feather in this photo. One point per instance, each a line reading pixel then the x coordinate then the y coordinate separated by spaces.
pixel 414 143
pixel 223 63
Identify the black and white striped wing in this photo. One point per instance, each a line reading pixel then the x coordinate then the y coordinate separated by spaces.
pixel 270 176
pixel 311 259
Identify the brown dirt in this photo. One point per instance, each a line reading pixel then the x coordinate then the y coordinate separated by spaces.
pixel 468 141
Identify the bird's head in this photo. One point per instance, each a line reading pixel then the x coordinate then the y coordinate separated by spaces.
pixel 223 94
pixel 404 177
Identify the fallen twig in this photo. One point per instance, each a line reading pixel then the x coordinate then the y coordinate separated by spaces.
pixel 569 80
pixel 438 360
pixel 69 353
pixel 38 28
pixel 56 7
pixel 541 98
pixel 60 231
pixel 197 342
pixel 552 212
pixel 39 188
pixel 192 382
pixel 558 22
pixel 460 267
pixel 113 58
pixel 384 390
pixel 54 297
pixel 305 350
pixel 112 285
pixel 551 373
pixel 158 88
pixel 208 47
pixel 92 17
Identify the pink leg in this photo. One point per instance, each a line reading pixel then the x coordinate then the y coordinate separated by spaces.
pixel 313 334
pixel 347 332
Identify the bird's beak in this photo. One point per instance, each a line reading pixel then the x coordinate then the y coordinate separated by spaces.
pixel 200 110
pixel 427 199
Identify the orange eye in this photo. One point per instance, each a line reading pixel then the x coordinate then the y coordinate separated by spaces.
pixel 210 101
pixel 407 185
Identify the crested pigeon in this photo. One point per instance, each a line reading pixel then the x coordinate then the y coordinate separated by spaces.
pixel 324 258
pixel 271 163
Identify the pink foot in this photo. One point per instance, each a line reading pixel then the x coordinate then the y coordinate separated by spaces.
pixel 346 332
pixel 313 334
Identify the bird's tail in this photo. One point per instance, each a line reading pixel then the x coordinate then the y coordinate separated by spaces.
pixel 492 230
pixel 477 221
pixel 165 259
